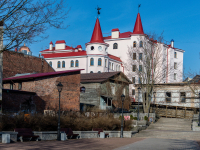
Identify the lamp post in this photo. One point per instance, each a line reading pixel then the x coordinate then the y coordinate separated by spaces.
pixel 138 103
pixel 122 97
pixel 59 86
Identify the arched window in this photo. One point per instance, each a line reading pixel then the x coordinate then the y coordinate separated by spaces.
pixel 63 64
pixel 115 46
pixel 112 66
pixel 91 61
pixel 91 71
pixel 76 63
pixel 134 44
pixel 99 71
pixel 141 44
pixel 119 68
pixel 72 63
pixel 58 65
pixel 50 63
pixel 116 68
pixel 99 62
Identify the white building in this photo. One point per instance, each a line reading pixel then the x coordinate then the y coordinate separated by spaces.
pixel 95 59
pixel 110 54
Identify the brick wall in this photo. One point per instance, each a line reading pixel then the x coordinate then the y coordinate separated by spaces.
pixel 47 95
pixel 14 62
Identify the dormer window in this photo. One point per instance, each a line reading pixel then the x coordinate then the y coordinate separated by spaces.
pixel 115 46
pixel 134 44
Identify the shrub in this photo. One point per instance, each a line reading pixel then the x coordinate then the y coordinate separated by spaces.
pixel 131 117
pixel 145 118
pixel 135 118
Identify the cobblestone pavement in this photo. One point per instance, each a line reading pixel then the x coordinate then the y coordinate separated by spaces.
pixel 83 144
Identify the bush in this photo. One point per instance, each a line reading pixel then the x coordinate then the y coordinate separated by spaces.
pixel 135 118
pixel 131 117
pixel 145 118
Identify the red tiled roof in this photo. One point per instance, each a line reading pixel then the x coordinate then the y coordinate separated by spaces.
pixel 97 36
pixel 121 35
pixel 115 29
pixel 60 41
pixel 52 55
pixel 79 46
pixel 38 75
pixel 138 29
pixel 114 57
pixel 66 48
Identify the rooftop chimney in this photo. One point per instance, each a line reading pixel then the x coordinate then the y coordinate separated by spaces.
pixel 115 33
pixel 51 46
pixel 172 43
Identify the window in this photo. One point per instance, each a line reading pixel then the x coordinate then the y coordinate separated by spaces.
pixel 175 65
pixel 113 90
pixel 76 63
pixel 106 63
pixel 109 65
pixel 91 61
pixel 141 44
pixel 63 64
pixel 99 71
pixel 91 71
pixel 115 46
pixel 19 85
pixel 182 97
pixel 134 44
pixel 140 68
pixel 133 79
pixel 112 66
pixel 134 56
pixel 72 63
pixel 50 63
pixel 168 97
pixel 140 56
pixel 92 47
pixel 58 65
pixel 134 68
pixel 116 68
pixel 11 86
pixel 119 68
pixel 133 92
pixel 175 55
pixel 140 80
pixel 175 76
pixel 99 62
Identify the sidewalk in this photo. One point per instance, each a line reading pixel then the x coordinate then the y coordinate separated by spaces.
pixel 97 144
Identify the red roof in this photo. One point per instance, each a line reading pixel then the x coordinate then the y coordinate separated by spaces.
pixel 114 57
pixel 66 48
pixel 79 46
pixel 115 29
pixel 38 75
pixel 61 41
pixel 121 35
pixel 138 29
pixel 51 42
pixel 52 55
pixel 97 36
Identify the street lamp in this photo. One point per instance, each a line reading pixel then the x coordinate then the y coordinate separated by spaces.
pixel 122 97
pixel 59 86
pixel 138 103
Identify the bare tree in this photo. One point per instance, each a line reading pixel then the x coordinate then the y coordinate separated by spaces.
pixel 23 20
pixel 147 64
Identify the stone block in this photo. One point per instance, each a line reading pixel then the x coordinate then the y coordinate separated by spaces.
pixel 5 138
pixel 102 135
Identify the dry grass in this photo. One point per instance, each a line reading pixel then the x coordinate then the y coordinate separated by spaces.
pixel 76 121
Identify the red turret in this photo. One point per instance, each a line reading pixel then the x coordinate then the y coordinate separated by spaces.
pixel 97 36
pixel 138 29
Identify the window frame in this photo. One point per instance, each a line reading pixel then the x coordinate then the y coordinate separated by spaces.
pixel 115 46
pixel 140 56
pixel 133 68
pixel 134 44
pixel 175 65
pixel 71 63
pixel 175 54
pixel 91 61
pixel 183 97
pixel 76 63
pixel 168 99
pixel 63 63
pixel 99 61
pixel 140 68
pixel 134 56
pixel 141 44
pixel 58 64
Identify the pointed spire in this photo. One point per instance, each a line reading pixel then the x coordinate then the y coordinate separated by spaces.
pixel 97 36
pixel 138 29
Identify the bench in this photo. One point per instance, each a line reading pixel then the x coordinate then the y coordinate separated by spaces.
pixel 100 130
pixel 69 133
pixel 25 133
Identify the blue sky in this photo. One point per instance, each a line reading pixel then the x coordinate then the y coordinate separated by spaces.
pixel 180 20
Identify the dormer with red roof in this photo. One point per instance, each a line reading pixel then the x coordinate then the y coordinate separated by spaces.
pixel 115 33
pixel 60 44
pixel 51 46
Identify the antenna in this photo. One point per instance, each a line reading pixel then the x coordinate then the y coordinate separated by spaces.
pixel 139 7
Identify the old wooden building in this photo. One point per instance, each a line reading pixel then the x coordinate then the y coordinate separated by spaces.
pixel 104 90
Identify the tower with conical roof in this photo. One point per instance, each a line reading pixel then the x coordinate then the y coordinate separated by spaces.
pixel 138 29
